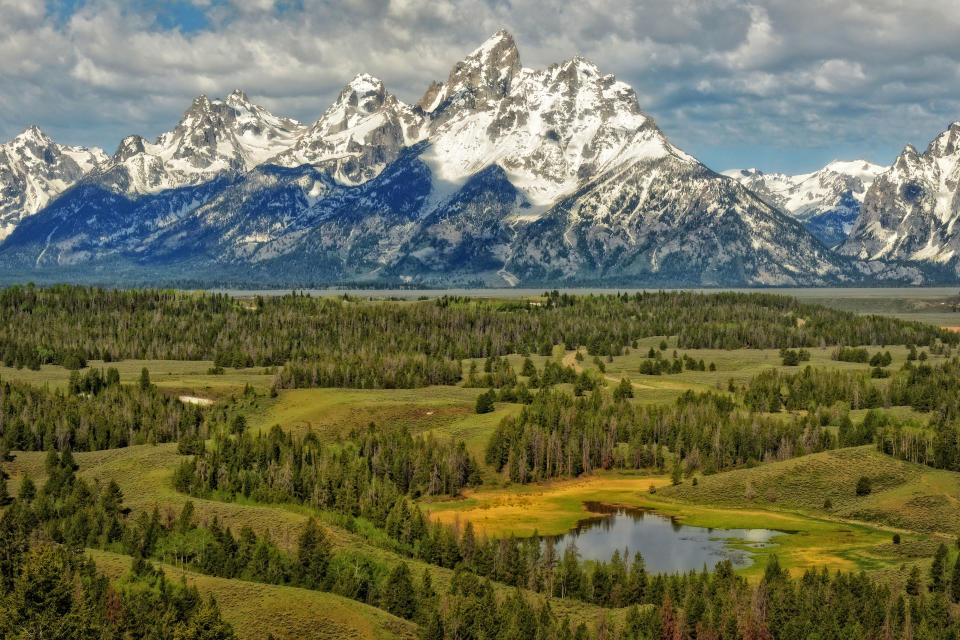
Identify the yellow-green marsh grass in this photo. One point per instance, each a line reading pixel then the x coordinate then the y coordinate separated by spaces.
pixel 554 508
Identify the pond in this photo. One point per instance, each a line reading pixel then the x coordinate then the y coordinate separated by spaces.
pixel 666 545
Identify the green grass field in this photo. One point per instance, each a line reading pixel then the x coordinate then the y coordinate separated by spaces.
pixel 905 495
pixel 817 539
pixel 331 413
pixel 256 610
pixel 740 365
pixel 173 376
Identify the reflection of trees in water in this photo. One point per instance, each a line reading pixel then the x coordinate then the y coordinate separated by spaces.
pixel 661 537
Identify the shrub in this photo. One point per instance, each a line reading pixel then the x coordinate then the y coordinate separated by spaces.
pixel 850 354
pixel 864 486
pixel 485 402
pixel 74 361
pixel 896 538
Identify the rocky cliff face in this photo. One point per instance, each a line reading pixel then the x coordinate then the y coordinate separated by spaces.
pixel 360 134
pixel 33 170
pixel 911 211
pixel 214 137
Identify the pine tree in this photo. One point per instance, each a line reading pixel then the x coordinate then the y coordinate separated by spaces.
pixel 676 476
pixel 912 587
pixel 485 402
pixel 955 581
pixel 623 390
pixel 313 556
pixel 28 490
pixel 433 629
pixel 398 596
pixel 938 569
pixel 144 379
pixel 41 598
pixel 112 498
pixel 185 522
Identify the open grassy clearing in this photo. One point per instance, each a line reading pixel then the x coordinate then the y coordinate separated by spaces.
pixel 256 610
pixel 144 474
pixel 855 533
pixel 555 508
pixel 444 412
pixel 814 542
pixel 175 376
pixel 740 365
pixel 331 413
pixel 549 508
pixel 904 495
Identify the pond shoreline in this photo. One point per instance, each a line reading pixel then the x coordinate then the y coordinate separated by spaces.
pixel 666 544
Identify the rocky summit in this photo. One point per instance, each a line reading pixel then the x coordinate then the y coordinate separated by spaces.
pixel 912 210
pixel 500 175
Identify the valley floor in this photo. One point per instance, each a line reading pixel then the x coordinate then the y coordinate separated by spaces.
pixel 854 533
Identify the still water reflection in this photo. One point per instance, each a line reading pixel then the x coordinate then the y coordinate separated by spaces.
pixel 667 546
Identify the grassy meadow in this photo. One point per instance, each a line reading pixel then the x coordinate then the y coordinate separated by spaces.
pixel 812 498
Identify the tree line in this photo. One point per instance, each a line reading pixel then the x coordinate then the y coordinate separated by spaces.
pixel 558 435
pixel 340 341
pixel 94 412
pixel 927 388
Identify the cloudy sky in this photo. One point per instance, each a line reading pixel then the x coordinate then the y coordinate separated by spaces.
pixel 780 85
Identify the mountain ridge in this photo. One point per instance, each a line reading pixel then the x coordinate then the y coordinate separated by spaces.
pixel 826 201
pixel 501 175
pixel 912 210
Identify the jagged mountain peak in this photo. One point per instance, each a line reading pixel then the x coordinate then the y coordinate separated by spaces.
pixel 549 129
pixel 490 67
pixel 34 169
pixel 912 211
pixel 212 137
pixel 501 174
pixel 363 96
pixel 358 135
pixel 129 147
pixel 32 134
pixel 945 144
pixel 483 76
pixel 238 98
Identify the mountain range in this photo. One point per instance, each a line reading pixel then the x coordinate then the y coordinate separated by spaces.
pixel 499 175
pixel 827 201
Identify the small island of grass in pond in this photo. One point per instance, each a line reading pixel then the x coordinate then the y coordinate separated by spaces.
pixel 666 545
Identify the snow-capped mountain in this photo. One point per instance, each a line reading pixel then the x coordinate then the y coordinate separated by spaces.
pixel 912 211
pixel 826 201
pixel 547 129
pixel 501 174
pixel 33 170
pixel 359 135
pixel 213 137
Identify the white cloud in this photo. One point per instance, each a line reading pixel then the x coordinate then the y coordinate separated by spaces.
pixel 714 73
